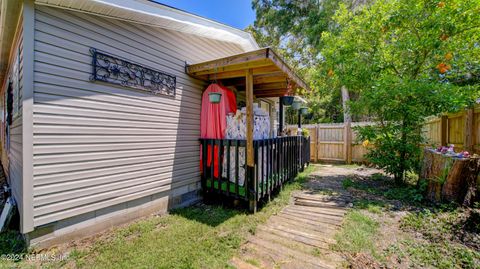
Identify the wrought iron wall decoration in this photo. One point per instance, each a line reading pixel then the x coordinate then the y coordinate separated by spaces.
pixel 114 70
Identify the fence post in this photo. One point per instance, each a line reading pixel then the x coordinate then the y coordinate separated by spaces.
pixel 318 143
pixel 468 131
pixel 315 142
pixel 444 130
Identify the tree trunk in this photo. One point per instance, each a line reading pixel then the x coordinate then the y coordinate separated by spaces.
pixel 346 111
pixel 347 120
pixel 450 179
pixel 403 153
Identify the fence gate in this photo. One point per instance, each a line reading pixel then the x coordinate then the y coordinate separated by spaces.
pixel 331 142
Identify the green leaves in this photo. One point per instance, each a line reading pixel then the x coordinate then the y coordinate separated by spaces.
pixel 403 60
pixel 406 38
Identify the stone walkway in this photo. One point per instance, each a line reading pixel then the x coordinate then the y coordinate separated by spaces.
pixel 300 236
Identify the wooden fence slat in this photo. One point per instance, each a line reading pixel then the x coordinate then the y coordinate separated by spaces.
pixel 468 132
pixel 331 142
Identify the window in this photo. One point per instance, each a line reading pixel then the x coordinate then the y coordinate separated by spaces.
pixel 16 88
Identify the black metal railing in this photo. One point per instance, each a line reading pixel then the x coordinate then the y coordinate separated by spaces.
pixel 276 160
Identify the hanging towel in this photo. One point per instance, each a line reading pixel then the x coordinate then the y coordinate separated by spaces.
pixel 213 120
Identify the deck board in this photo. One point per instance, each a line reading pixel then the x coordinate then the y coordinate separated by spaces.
pixel 299 236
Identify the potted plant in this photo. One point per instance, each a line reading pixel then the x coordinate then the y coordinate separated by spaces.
pixel 287 100
pixel 214 97
pixel 296 105
pixel 309 116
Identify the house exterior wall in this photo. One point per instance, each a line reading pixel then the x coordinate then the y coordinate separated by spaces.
pixel 12 147
pixel 15 153
pixel 97 145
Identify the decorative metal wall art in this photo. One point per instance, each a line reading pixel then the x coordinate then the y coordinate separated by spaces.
pixel 114 70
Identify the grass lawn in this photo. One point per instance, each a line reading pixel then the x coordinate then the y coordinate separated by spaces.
pixel 194 237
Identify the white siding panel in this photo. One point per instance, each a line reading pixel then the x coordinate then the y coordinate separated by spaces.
pixel 160 159
pixel 113 198
pixel 72 191
pixel 98 173
pixel 97 144
pixel 106 147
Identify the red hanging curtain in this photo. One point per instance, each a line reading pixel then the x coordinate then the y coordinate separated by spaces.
pixel 213 120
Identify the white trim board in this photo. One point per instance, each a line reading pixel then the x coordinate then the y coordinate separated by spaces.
pixel 156 14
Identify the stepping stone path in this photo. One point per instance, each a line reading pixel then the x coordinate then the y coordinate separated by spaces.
pixel 299 236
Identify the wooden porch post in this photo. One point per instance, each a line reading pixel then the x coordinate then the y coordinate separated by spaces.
pixel 252 188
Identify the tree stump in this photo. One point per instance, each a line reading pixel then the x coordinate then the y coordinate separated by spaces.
pixel 450 178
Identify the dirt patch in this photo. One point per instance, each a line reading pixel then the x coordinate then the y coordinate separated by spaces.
pixel 411 232
pixel 363 260
pixel 469 229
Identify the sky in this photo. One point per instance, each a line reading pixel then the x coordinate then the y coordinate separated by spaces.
pixel 236 13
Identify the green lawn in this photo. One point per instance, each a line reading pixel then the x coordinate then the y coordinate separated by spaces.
pixel 193 237
pixel 358 234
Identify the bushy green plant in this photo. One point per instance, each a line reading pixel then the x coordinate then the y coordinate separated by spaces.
pixel 394 152
pixel 305 132
pixel 402 61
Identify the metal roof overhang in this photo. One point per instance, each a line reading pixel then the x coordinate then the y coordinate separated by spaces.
pixel 271 75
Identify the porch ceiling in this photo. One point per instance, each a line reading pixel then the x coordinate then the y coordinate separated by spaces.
pixel 271 75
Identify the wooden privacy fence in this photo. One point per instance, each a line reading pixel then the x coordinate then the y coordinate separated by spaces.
pixel 460 129
pixel 334 142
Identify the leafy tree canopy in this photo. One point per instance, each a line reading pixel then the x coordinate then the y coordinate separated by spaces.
pixel 404 60
pixel 409 40
pixel 355 43
pixel 294 29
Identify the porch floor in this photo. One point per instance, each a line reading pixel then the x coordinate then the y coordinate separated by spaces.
pixel 299 236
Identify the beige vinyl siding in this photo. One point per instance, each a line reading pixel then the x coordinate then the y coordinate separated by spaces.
pixel 15 155
pixel 97 144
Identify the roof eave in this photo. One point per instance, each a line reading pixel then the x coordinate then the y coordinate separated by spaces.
pixel 156 14
pixel 272 75
pixel 219 65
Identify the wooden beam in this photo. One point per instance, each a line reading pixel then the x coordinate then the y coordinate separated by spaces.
pixel 261 79
pixel 262 61
pixel 226 61
pixel 271 86
pixel 232 67
pixel 270 93
pixel 269 79
pixel 285 68
pixel 241 73
pixel 252 184
pixel 249 101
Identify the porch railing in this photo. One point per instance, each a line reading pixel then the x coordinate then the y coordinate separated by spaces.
pixel 277 160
